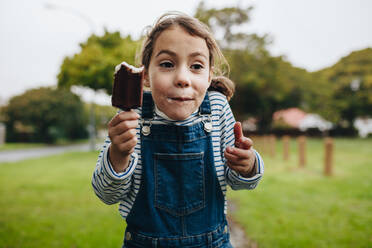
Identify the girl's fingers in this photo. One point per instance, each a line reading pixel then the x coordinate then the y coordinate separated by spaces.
pixel 123 116
pixel 231 157
pixel 128 146
pixel 240 160
pixel 122 132
pixel 124 137
pixel 243 164
pixel 122 127
pixel 241 169
pixel 125 142
pixel 234 153
pixel 240 140
pixel 245 143
pixel 236 166
pixel 238 131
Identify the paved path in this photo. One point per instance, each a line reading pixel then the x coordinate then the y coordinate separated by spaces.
pixel 21 154
pixel 238 238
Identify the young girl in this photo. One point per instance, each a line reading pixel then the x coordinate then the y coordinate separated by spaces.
pixel 169 162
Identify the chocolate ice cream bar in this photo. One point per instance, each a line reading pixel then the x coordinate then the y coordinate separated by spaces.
pixel 128 86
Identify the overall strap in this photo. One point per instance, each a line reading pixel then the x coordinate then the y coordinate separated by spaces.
pixel 205 107
pixel 147 105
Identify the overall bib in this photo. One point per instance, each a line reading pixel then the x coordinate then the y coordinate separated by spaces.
pixel 180 202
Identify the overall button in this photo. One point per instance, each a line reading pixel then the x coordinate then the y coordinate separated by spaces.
pixel 208 127
pixel 146 130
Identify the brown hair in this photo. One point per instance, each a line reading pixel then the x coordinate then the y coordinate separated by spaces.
pixel 194 27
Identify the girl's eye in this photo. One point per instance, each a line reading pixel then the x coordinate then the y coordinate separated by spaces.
pixel 197 66
pixel 166 64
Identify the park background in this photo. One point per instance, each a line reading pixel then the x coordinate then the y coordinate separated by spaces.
pixel 49 201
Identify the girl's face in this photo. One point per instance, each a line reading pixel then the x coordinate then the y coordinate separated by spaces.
pixel 179 72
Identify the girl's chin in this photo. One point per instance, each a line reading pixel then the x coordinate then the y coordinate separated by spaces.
pixel 179 116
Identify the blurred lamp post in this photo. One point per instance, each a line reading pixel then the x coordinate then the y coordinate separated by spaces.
pixel 52 6
pixel 92 119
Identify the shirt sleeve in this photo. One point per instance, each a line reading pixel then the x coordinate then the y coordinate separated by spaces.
pixel 109 185
pixel 233 178
pixel 236 181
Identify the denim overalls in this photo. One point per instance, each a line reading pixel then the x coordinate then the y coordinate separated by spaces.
pixel 180 202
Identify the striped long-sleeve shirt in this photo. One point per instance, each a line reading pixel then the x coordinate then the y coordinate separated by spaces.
pixel 112 187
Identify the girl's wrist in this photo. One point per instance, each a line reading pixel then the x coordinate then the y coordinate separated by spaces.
pixel 118 162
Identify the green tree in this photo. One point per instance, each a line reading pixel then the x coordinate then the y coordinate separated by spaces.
pixel 103 115
pixel 47 115
pixel 254 78
pixel 94 65
pixel 264 83
pixel 227 22
pixel 245 53
pixel 351 82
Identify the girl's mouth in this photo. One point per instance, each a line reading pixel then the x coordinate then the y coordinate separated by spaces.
pixel 181 99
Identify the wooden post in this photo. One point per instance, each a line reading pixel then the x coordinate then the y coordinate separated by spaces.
pixel 266 144
pixel 286 147
pixel 302 151
pixel 328 156
pixel 255 141
pixel 258 143
pixel 272 145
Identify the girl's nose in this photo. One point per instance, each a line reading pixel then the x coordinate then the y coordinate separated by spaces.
pixel 182 78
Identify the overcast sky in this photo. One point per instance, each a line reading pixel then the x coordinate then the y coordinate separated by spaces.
pixel 34 39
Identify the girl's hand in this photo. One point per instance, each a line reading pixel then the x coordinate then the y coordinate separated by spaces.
pixel 122 132
pixel 241 158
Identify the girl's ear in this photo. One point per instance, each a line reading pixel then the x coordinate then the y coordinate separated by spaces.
pixel 145 76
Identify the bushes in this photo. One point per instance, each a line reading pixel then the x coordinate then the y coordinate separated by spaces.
pixel 45 115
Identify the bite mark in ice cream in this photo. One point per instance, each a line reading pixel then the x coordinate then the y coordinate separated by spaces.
pixel 128 87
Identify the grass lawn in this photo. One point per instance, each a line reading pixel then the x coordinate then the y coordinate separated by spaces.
pixel 49 202
pixel 295 207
